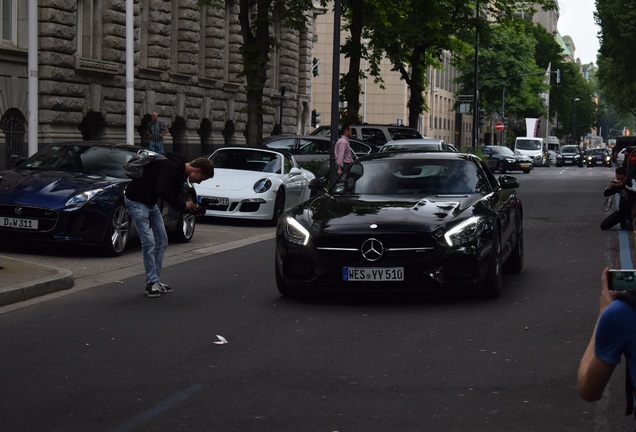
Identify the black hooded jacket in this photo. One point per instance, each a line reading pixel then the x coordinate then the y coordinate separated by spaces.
pixel 160 179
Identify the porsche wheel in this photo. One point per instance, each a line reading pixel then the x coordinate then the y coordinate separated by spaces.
pixel 117 231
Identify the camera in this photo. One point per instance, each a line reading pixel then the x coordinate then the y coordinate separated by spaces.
pixel 621 280
pixel 200 211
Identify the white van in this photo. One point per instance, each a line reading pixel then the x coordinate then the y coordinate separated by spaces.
pixel 534 148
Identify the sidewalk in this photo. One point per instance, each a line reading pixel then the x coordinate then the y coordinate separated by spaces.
pixel 22 280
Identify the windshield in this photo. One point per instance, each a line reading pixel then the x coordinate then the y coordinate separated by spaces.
pixel 406 147
pixel 247 160
pixel 502 150
pixel 528 144
pixel 411 177
pixel 108 161
pixel 569 149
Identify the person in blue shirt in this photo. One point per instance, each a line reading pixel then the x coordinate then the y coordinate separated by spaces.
pixel 613 337
pixel 156 131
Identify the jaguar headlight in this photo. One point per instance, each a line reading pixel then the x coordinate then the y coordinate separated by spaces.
pixel 295 232
pixel 464 232
pixel 263 185
pixel 81 199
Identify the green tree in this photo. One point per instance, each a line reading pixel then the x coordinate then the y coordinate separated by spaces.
pixel 256 18
pixel 615 63
pixel 570 110
pixel 413 34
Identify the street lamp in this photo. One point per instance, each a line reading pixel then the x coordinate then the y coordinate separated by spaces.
pixel 574 120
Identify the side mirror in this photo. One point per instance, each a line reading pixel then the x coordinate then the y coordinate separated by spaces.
pixel 508 182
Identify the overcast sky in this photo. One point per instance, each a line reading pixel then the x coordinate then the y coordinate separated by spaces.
pixel 576 20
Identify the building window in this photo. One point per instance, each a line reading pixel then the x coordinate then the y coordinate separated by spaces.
pixel 8 19
pixel 89 29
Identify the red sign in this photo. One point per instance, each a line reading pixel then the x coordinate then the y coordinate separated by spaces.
pixel 499 126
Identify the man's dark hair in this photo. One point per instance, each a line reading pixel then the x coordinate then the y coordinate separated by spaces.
pixel 205 165
pixel 621 170
pixel 345 126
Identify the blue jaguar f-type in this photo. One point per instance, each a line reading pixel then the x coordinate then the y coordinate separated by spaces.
pixel 72 193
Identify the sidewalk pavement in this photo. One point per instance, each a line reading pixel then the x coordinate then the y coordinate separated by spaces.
pixel 22 280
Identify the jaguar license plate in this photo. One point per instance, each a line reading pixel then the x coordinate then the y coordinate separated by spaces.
pixel 373 274
pixel 19 223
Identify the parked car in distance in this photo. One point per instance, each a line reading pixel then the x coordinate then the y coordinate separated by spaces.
pixel 310 148
pixel 253 183
pixel 419 144
pixel 620 157
pixel 502 159
pixel 404 221
pixel 375 135
pixel 73 193
pixel 598 156
pixel 569 155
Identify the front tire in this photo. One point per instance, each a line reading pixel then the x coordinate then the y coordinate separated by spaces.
pixel 184 229
pixel 284 288
pixel 117 231
pixel 279 206
pixel 514 264
pixel 491 287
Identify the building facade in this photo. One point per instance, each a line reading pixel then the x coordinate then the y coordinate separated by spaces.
pixel 187 66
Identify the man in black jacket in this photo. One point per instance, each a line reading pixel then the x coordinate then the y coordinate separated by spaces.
pixel 623 214
pixel 161 179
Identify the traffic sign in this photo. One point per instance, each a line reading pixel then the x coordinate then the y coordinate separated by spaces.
pixel 499 126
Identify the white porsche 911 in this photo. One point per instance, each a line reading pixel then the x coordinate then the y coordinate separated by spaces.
pixel 253 183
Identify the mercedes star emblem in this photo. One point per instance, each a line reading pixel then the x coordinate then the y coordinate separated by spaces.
pixel 372 249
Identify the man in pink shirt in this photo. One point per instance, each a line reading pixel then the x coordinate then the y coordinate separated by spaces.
pixel 342 149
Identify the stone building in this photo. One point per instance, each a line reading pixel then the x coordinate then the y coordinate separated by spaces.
pixel 187 68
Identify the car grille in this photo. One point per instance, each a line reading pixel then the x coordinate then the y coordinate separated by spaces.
pixel 46 218
pixel 399 250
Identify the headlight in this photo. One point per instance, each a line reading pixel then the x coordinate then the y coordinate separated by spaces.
pixel 83 198
pixel 295 232
pixel 510 160
pixel 464 232
pixel 263 185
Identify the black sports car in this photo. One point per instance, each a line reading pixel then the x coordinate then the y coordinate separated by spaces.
pixel 73 193
pixel 404 221
pixel 502 159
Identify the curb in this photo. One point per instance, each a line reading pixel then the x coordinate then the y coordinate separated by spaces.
pixel 28 280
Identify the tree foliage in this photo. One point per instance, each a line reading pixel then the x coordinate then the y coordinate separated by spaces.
pixel 256 18
pixel 616 20
pixel 413 34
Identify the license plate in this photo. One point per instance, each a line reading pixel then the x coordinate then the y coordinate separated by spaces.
pixel 525 165
pixel 217 201
pixel 373 274
pixel 19 223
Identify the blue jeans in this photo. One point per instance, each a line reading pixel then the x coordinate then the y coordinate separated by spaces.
pixel 152 233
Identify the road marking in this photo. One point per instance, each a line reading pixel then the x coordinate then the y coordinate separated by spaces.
pixel 159 409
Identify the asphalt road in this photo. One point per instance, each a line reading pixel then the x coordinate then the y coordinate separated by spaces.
pixel 106 358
